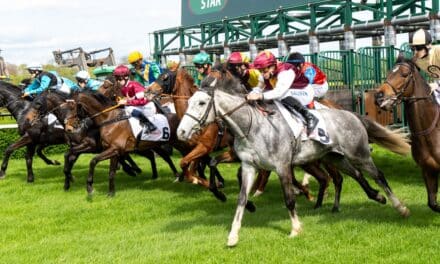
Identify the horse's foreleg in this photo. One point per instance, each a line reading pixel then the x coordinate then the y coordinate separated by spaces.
pixel 44 158
pixel 286 176
pixel 106 154
pixel 199 151
pixel 30 152
pixel 111 175
pixel 23 141
pixel 69 160
pixel 165 155
pixel 225 157
pixel 431 182
pixel 261 182
pixel 247 180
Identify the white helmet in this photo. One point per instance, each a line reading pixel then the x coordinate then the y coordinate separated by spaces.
pixel 420 37
pixel 82 75
pixel 35 67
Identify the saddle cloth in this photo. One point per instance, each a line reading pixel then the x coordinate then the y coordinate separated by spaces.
pixel 296 124
pixel 159 120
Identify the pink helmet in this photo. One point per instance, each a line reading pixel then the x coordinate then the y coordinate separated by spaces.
pixel 264 59
pixel 121 70
pixel 238 58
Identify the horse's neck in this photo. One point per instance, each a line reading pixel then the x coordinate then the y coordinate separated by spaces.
pixel 421 112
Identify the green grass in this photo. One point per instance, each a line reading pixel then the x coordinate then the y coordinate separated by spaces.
pixel 158 221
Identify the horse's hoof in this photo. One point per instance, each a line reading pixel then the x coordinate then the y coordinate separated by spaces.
pixel 55 162
pixel 137 170
pixel 294 233
pixel 30 180
pixel 381 199
pixel 219 195
pixel 220 185
pixel 250 207
pixel 2 175
pixel 176 179
pixel 154 177
pixel 89 197
pixel 66 187
pixel 404 211
pixel 317 206
pixel 232 241
pixel 111 194
pixel 258 193
pixel 335 210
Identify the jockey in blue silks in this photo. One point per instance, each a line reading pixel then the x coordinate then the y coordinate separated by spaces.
pixel 84 82
pixel 43 80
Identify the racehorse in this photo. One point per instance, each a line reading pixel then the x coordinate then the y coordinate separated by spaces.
pixel 35 136
pixel 268 143
pixel 116 136
pixel 405 84
pixel 86 140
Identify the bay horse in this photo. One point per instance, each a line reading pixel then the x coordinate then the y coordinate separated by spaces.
pixel 86 139
pixel 35 137
pixel 404 83
pixel 116 136
pixel 268 143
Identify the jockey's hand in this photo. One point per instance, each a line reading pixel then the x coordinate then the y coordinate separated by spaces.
pixel 254 96
pixel 25 95
pixel 123 101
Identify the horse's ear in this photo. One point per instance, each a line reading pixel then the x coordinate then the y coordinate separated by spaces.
pixel 107 84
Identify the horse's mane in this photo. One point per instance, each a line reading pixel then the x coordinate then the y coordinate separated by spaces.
pixel 402 59
pixel 104 100
pixel 225 81
pixel 16 90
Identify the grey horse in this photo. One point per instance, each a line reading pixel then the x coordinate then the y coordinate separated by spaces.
pixel 267 142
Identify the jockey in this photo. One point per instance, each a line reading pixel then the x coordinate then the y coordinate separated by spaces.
pixel 84 81
pixel 279 85
pixel 136 104
pixel 203 64
pixel 426 56
pixel 43 80
pixel 317 79
pixel 143 71
pixel 238 65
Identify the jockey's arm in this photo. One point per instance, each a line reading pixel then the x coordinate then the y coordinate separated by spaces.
pixel 40 87
pixel 138 100
pixel 31 87
pixel 284 81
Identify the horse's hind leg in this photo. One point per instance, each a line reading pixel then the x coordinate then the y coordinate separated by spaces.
pixel 431 182
pixel 382 182
pixel 111 175
pixel 132 164
pixel 23 141
pixel 70 158
pixel 261 182
pixel 30 152
pixel 44 158
pixel 337 182
pixel 321 177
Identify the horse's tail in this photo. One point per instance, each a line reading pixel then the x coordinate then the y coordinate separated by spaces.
pixel 395 140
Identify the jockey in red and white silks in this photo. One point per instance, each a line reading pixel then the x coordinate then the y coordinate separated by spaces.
pixel 282 83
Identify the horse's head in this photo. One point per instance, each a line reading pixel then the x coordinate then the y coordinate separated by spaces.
pixel 164 83
pixel 73 114
pixel 110 89
pixel 399 84
pixel 200 113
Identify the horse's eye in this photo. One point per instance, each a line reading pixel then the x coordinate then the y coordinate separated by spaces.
pixel 202 103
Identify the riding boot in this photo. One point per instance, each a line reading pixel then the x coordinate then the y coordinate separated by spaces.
pixel 311 120
pixel 144 120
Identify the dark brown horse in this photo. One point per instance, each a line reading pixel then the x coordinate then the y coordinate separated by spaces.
pixel 116 136
pixel 405 84
pixel 35 137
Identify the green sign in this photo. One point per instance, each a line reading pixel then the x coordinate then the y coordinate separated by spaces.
pixel 200 11
pixel 200 7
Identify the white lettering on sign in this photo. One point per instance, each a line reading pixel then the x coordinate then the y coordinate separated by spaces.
pixel 210 3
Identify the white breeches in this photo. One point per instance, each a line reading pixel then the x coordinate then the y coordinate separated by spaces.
pixel 305 95
pixel 148 109
pixel 320 89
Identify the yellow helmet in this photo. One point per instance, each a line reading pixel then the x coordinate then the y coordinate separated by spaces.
pixel 134 56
